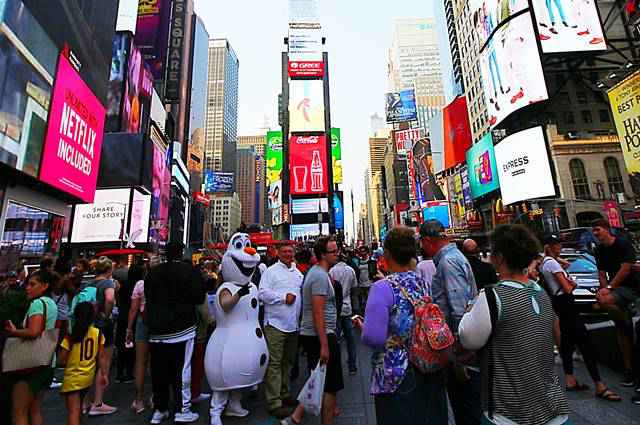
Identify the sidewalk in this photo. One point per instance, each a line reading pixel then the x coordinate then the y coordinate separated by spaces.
pixel 356 403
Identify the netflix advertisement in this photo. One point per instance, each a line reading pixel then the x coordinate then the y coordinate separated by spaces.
pixel 308 165
pixel 457 132
pixel 71 156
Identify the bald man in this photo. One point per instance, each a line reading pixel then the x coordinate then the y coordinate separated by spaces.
pixel 484 272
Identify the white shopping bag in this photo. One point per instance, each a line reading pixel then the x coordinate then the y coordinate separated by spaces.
pixel 310 396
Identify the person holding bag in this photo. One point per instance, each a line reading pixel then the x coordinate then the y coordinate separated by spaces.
pixel 513 322
pixel 403 394
pixel 39 327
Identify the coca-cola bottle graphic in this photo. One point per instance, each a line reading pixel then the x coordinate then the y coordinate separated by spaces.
pixel 316 173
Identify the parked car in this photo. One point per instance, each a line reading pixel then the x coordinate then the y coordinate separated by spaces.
pixel 583 270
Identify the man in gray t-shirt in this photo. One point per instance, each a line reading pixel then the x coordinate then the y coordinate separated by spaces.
pixel 317 282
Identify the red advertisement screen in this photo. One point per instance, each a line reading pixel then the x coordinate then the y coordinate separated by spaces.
pixel 308 165
pixel 457 132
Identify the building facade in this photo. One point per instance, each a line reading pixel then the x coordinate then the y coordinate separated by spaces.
pixel 222 107
pixel 226 211
pixel 258 144
pixel 245 178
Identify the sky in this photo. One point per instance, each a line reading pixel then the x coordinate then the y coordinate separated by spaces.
pixel 358 36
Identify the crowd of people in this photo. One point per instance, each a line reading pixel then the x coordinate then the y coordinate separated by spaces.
pixel 243 323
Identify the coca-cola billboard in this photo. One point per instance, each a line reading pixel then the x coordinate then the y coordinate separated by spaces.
pixel 308 165
pixel 306 69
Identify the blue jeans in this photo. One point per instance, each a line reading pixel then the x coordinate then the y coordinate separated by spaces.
pixel 560 8
pixel 345 330
pixel 465 398
pixel 420 400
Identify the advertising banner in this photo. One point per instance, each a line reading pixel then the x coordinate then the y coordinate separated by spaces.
pixel 160 195
pixel 274 156
pixel 483 171
pixel 140 212
pixel 426 186
pixel 625 107
pixel 71 156
pixel 138 92
pixel 612 213
pixel 120 48
pixel 487 15
pixel 306 106
pixel 405 139
pixel 176 44
pixel 201 198
pixel 457 132
pixel 274 197
pixel 437 210
pixel 309 206
pixel 466 187
pixel 307 230
pixel 215 182
pixel 511 70
pixel 401 106
pixel 336 155
pixel 305 50
pixel 458 197
pixel 308 165
pixel 567 27
pixel 338 210
pixel 523 166
pixel 306 69
pixel 127 16
pixel 104 220
pixel 152 33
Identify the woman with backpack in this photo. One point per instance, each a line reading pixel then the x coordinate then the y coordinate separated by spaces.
pixel 513 320
pixel 402 393
pixel 28 388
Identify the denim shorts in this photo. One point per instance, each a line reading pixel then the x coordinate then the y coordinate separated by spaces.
pixel 142 331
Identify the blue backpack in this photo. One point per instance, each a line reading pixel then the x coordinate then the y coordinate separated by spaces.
pixel 88 294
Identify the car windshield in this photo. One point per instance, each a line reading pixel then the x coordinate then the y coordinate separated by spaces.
pixel 582 265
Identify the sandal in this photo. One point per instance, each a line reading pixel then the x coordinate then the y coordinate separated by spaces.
pixel 608 395
pixel 577 387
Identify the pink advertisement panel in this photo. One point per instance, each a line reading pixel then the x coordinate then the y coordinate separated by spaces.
pixel 71 156
pixel 308 165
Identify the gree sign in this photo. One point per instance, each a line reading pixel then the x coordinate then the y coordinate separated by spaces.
pixel 306 69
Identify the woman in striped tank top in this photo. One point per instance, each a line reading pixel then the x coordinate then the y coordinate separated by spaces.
pixel 513 324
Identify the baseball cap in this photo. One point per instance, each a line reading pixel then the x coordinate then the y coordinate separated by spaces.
pixel 12 274
pixel 551 240
pixel 432 229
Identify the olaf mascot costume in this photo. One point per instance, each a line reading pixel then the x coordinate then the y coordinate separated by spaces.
pixel 236 355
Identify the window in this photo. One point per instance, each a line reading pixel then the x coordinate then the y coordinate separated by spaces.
pixel 569 117
pixel 604 115
pixel 614 177
pixel 582 97
pixel 579 179
pixel 587 117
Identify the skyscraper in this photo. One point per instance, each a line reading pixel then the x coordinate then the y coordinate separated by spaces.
pixel 222 107
pixel 246 183
pixel 258 143
pixel 414 62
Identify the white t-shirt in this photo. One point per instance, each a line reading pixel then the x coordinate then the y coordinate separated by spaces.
pixel 549 269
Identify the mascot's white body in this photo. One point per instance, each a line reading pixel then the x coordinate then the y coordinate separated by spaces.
pixel 237 354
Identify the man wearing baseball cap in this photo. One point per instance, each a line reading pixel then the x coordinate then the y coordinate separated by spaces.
pixel 453 287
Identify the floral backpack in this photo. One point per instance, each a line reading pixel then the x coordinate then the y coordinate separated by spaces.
pixel 432 339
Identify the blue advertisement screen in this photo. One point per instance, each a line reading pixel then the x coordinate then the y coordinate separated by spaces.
pixel 482 168
pixel 437 211
pixel 401 106
pixel 218 182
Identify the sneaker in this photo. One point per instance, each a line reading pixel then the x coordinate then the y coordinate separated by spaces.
pixel 55 384
pixel 137 406
pixel 236 411
pixel 201 397
pixel 186 417
pixel 158 417
pixel 102 410
pixel 215 420
pixel 636 399
pixel 628 380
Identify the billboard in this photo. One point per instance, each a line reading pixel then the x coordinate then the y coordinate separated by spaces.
pixel 215 182
pixel 309 206
pixel 466 187
pixel 625 107
pixel 306 106
pixel 308 165
pixel 138 90
pixel 426 187
pixel 481 163
pixel 487 15
pixel 274 156
pixel 301 230
pixel 336 155
pixel 401 106
pixel 523 167
pixel 305 50
pixel 160 194
pixel 127 16
pixel 405 139
pixel 140 212
pixel 567 27
pixel 437 210
pixel 338 210
pixel 457 132
pixel 71 156
pixel 176 44
pixel 274 197
pixel 152 33
pixel 511 71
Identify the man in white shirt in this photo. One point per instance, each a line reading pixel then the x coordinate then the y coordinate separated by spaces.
pixel 279 291
pixel 344 274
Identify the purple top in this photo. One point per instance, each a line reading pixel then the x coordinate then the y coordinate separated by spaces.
pixel 377 312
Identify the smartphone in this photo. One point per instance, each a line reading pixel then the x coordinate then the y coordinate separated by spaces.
pixel 372 267
pixel 357 317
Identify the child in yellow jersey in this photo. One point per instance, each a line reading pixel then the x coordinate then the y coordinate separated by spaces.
pixel 80 353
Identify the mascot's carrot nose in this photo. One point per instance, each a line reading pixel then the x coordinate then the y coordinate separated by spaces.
pixel 250 250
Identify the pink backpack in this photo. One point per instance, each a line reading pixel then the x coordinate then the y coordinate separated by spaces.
pixel 432 340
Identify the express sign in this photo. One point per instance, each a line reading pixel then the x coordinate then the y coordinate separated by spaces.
pixel 306 69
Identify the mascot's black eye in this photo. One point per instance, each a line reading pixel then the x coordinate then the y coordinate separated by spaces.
pixel 238 245
pixel 247 244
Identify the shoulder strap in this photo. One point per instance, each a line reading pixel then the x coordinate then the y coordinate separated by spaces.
pixel 493 313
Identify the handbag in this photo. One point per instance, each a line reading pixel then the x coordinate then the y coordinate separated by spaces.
pixel 21 355
pixel 310 396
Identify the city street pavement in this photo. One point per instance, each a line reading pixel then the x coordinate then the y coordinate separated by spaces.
pixel 356 403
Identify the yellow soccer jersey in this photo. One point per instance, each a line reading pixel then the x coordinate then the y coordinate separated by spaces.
pixel 82 360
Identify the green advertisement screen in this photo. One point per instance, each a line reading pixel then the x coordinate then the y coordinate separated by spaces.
pixel 336 155
pixel 274 156
pixel 483 171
